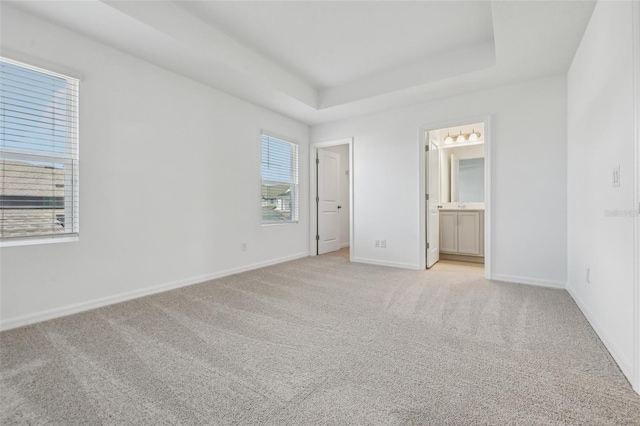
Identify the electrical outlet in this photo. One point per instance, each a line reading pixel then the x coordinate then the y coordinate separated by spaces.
pixel 377 243
pixel 588 275
pixel 383 243
pixel 243 246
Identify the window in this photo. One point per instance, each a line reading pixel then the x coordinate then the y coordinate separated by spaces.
pixel 279 180
pixel 38 153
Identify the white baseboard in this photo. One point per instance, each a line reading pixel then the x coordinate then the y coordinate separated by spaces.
pixel 122 297
pixel 624 364
pixel 385 263
pixel 343 245
pixel 529 281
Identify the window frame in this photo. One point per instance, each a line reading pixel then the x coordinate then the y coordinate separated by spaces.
pixel 295 193
pixel 71 159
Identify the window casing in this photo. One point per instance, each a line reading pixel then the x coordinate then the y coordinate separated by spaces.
pixel 279 192
pixel 38 153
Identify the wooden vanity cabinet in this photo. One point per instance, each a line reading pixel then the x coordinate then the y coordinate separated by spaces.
pixel 461 232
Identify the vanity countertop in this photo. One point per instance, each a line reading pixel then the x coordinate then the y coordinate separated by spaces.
pixel 462 206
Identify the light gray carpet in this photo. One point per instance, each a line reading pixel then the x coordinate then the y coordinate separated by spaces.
pixel 320 341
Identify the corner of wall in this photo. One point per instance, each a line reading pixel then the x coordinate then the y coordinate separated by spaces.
pixel 625 364
pixel 538 282
pixel 636 117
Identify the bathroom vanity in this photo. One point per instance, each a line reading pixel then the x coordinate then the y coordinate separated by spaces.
pixel 462 232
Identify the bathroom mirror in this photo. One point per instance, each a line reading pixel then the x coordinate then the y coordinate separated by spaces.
pixel 467 179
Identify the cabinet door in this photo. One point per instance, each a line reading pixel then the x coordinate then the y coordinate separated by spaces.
pixel 469 233
pixel 448 232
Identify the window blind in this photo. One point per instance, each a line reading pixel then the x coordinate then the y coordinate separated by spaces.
pixel 38 152
pixel 279 180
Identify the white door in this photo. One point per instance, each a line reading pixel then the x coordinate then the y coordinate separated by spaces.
pixel 432 160
pixel 328 165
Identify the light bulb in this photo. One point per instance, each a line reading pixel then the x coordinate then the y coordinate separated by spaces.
pixel 448 140
pixel 473 136
pixel 460 138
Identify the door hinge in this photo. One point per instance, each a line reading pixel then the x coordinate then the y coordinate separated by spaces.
pixel 426 147
pixel 427 245
pixel 426 196
pixel 317 161
pixel 317 199
pixel 317 237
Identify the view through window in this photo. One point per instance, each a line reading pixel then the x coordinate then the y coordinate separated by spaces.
pixel 38 152
pixel 279 180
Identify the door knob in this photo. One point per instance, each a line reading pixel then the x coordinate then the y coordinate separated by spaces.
pixel 339 207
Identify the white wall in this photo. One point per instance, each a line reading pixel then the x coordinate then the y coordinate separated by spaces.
pixel 169 182
pixel 600 137
pixel 343 151
pixel 529 177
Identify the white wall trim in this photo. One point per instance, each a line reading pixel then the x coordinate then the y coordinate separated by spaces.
pixel 313 216
pixel 488 203
pixel 529 281
pixel 635 381
pixel 344 245
pixel 386 263
pixel 122 297
pixel 624 364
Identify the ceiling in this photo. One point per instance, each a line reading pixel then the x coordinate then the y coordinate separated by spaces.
pixel 330 60
pixel 329 44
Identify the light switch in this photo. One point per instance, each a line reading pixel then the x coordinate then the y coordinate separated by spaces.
pixel 616 176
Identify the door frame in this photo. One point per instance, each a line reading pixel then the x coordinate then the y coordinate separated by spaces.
pixel 636 220
pixel 313 190
pixel 488 204
pixel 427 213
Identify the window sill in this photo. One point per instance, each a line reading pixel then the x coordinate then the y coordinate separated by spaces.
pixel 38 241
pixel 279 223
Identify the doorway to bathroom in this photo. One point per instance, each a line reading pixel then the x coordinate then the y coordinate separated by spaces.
pixel 455 192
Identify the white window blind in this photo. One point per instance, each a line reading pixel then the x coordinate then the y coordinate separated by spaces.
pixel 38 153
pixel 279 180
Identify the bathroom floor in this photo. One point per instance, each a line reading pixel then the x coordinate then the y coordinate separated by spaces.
pixel 456 266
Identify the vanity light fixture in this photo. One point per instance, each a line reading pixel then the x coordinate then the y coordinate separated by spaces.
pixel 448 140
pixel 461 138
